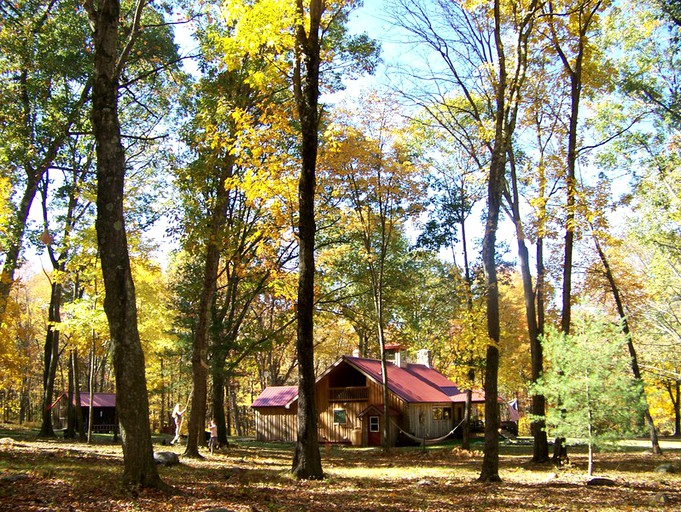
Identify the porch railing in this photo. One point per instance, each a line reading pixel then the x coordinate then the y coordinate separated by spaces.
pixel 349 394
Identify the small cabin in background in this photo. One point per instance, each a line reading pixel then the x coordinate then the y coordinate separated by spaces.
pixel 422 403
pixel 104 417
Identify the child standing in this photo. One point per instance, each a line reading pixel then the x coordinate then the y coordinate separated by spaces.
pixel 213 442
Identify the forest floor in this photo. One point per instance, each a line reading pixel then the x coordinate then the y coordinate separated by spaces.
pixel 59 475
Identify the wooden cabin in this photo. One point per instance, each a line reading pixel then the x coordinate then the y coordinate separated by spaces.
pixel 104 417
pixel 423 403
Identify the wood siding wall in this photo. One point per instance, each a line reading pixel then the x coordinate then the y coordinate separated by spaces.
pixel 424 425
pixel 354 430
pixel 276 424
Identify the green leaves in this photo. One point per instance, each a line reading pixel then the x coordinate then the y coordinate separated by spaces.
pixel 588 382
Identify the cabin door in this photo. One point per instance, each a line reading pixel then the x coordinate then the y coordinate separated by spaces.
pixel 374 438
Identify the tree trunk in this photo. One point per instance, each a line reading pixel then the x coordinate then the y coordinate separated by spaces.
pixel 132 402
pixel 219 399
pixel 51 360
pixel 70 432
pixel 386 442
pixel 540 440
pixel 218 215
pixel 235 411
pixel 655 443
pixel 466 440
pixel 468 407
pixel 677 408
pixel 16 231
pixel 490 462
pixel 307 461
pixel 91 388
pixel 33 177
pixel 574 73
pixel 197 417
pixel 229 413
pixel 571 186
pixel 78 424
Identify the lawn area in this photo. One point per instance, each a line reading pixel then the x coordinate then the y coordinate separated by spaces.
pixel 39 475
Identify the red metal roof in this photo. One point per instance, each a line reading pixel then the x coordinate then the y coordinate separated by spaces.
pixel 460 396
pixel 414 384
pixel 98 399
pixel 276 396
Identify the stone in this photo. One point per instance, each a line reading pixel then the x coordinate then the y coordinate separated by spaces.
pixel 601 481
pixel 166 458
pixel 665 468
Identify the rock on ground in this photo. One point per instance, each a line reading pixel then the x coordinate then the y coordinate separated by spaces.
pixel 166 458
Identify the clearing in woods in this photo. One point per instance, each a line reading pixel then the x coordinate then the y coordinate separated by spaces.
pixel 38 475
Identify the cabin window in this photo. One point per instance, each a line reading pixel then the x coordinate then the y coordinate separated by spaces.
pixel 340 417
pixel 442 413
pixel 374 425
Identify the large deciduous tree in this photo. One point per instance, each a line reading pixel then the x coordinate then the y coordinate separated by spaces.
pixel 383 189
pixel 482 49
pixel 298 39
pixel 119 302
pixel 569 28
pixel 42 93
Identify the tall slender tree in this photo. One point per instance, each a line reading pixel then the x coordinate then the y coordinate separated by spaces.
pixel 298 37
pixel 119 302
pixel 470 38
pixel 383 189
pixel 570 25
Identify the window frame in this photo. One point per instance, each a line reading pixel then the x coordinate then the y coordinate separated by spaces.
pixel 441 413
pixel 337 413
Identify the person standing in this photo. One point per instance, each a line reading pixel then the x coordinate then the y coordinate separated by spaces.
pixel 177 416
pixel 213 442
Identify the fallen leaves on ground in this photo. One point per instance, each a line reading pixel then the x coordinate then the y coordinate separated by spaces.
pixel 66 476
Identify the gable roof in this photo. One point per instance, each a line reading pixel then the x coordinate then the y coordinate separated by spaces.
pixel 414 383
pixel 98 399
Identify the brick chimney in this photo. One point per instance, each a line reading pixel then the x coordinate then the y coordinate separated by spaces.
pixel 423 357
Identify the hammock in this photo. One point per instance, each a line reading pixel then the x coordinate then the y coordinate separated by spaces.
pixel 423 440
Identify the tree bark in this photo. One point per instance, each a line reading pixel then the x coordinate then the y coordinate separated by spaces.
pixel 540 440
pixel 490 462
pixel 468 407
pixel 307 462
pixel 51 360
pixel 585 16
pixel 119 303
pixel 236 414
pixel 219 415
pixel 33 177
pixel 70 432
pixel 218 215
pixel 78 424
pixel 676 402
